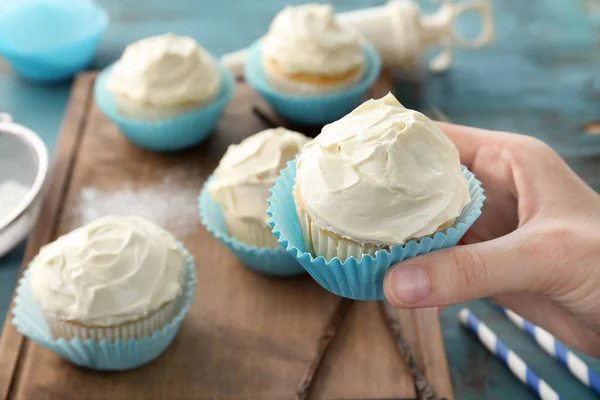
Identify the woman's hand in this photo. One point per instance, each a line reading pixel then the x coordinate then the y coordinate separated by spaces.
pixel 535 249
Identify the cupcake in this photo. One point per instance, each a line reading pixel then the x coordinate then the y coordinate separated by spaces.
pixel 162 77
pixel 380 185
pixel 307 51
pixel 115 278
pixel 233 203
pixel 110 295
pixel 310 67
pixel 377 178
pixel 165 92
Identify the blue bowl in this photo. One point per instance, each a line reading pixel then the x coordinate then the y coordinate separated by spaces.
pixel 311 109
pixel 50 40
pixel 172 134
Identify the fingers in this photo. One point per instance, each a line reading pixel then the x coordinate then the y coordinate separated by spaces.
pixel 467 140
pixel 462 273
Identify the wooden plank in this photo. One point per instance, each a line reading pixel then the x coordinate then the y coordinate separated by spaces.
pixel 247 336
pixel 12 344
pixel 364 358
pixel 432 355
pixel 422 332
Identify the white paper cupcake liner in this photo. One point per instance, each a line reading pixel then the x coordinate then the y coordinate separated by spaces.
pixel 265 260
pixel 250 232
pixel 132 330
pixel 318 242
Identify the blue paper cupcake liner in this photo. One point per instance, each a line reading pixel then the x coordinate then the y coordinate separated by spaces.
pixel 172 134
pixel 359 280
pixel 311 109
pixel 274 262
pixel 118 355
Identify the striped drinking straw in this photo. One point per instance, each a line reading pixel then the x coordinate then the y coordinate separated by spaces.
pixel 514 363
pixel 557 349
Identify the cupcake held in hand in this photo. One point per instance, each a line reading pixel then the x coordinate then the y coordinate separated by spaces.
pixel 311 68
pixel 380 185
pixel 119 286
pixel 233 203
pixel 165 92
pixel 377 178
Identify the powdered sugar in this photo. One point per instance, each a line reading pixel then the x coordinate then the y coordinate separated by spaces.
pixel 167 204
pixel 12 194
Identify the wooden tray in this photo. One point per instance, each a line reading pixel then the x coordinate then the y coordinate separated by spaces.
pixel 247 336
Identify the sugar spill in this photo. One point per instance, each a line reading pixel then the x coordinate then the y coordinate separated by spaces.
pixel 12 193
pixel 167 204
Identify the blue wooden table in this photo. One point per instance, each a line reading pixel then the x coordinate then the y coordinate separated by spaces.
pixel 542 77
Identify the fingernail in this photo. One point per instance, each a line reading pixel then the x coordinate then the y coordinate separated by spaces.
pixel 408 284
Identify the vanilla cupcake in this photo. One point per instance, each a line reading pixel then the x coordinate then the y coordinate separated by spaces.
pixel 117 278
pixel 162 77
pixel 379 177
pixel 166 93
pixel 307 51
pixel 243 178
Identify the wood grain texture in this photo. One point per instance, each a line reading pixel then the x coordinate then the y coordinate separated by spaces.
pixel 247 336
pixel 13 347
pixel 364 340
pixel 328 336
pixel 541 78
pixel 428 352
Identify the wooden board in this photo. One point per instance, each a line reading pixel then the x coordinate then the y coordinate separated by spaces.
pixel 247 336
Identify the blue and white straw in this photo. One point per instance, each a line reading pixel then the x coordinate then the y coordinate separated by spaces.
pixel 515 363
pixel 557 349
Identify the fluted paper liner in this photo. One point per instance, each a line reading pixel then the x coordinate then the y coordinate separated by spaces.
pixel 170 134
pixel 359 280
pixel 105 354
pixel 266 260
pixel 132 330
pixel 250 232
pixel 311 109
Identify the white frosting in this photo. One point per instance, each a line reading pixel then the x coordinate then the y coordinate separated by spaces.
pixel 383 174
pixel 111 271
pixel 248 170
pixel 165 70
pixel 309 39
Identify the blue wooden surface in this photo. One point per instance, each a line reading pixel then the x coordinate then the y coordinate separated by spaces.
pixel 542 77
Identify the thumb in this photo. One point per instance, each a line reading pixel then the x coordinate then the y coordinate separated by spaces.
pixel 461 273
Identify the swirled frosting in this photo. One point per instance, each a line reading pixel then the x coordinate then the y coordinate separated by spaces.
pixel 248 170
pixel 111 271
pixel 309 39
pixel 165 70
pixel 383 174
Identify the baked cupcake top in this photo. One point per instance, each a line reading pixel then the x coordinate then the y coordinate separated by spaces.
pixel 248 170
pixel 309 39
pixel 111 271
pixel 165 70
pixel 383 174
